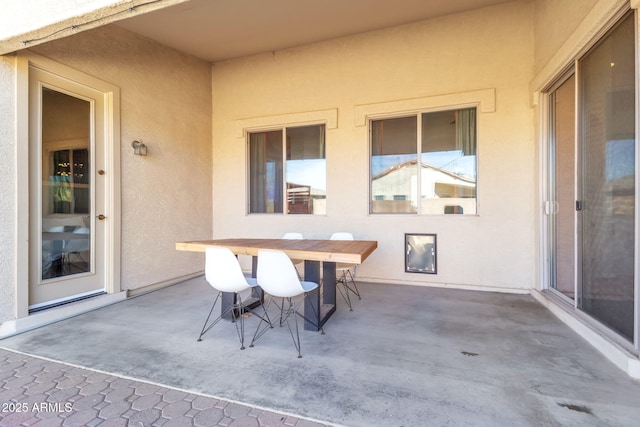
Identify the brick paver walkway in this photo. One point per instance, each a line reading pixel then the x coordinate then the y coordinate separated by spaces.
pixel 37 392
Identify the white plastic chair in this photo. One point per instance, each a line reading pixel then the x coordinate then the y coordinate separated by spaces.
pixel 52 252
pixel 223 273
pixel 296 262
pixel 77 247
pixel 277 276
pixel 293 236
pixel 346 273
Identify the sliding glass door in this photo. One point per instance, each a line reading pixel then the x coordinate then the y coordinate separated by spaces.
pixel 591 208
pixel 607 194
pixel 562 168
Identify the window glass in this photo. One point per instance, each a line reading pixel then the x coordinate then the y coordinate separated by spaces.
pixel 448 173
pixel 300 174
pixel 306 170
pixel 445 176
pixel 265 172
pixel 607 120
pixel 394 165
pixel 562 183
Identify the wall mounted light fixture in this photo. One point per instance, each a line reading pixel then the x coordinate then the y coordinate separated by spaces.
pixel 139 148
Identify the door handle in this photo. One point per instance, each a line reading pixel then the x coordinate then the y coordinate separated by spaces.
pixel 101 217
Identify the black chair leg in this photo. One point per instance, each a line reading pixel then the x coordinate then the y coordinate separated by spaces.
pixel 204 327
pixel 355 286
pixel 345 293
pixel 269 325
pixel 237 310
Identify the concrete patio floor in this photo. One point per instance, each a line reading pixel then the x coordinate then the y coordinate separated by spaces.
pixel 406 356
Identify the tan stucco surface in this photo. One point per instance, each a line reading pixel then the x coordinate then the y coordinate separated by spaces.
pixel 166 102
pixel 485 49
pixel 173 102
pixel 554 21
pixel 7 177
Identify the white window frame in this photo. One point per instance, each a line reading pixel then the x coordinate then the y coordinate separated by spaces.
pixel 283 129
pixel 483 99
pixel 419 114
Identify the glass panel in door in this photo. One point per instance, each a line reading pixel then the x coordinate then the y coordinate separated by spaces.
pixel 607 119
pixel 67 193
pixel 562 222
pixel 66 190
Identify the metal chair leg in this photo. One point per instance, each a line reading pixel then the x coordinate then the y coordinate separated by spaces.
pixel 286 312
pixel 345 293
pixel 204 327
pixel 355 286
pixel 237 311
pixel 291 310
pixel 258 333
pixel 344 280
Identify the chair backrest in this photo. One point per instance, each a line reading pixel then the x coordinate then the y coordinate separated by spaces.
pixel 277 275
pixel 222 270
pixel 292 236
pixel 78 245
pixel 341 235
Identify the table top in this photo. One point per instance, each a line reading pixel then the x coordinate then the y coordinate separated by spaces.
pixel 64 235
pixel 348 251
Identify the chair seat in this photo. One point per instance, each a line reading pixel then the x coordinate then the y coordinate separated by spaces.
pixel 278 277
pixel 308 286
pixel 347 272
pixel 223 273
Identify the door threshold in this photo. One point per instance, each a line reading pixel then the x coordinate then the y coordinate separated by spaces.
pixel 66 300
pixel 55 314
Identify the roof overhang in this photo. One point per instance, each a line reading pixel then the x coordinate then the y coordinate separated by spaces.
pixel 217 30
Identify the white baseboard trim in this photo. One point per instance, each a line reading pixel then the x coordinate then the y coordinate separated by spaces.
pixel 502 290
pixel 157 286
pixel 17 326
pixel 619 356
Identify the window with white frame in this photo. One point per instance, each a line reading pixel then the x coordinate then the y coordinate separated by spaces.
pixel 287 170
pixel 424 163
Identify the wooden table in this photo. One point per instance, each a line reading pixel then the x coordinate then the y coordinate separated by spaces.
pixel 313 252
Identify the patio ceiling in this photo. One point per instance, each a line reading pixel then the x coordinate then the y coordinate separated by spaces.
pixel 224 29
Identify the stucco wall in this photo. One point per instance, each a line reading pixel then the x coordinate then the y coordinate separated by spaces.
pixel 484 49
pixel 7 177
pixel 554 21
pixel 166 102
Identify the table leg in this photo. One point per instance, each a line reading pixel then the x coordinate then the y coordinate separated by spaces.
pixel 256 292
pixel 312 299
pixel 229 298
pixel 318 310
pixel 329 283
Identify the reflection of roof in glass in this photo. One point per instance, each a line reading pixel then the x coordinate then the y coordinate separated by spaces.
pixel 453 162
pixel 456 172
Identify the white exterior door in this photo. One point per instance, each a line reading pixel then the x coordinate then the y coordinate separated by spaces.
pixel 68 203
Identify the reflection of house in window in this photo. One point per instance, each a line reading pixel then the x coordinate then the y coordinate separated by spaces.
pixel 440 189
pixel 299 199
pixel 443 144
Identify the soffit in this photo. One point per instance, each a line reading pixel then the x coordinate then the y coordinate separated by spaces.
pixel 217 30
